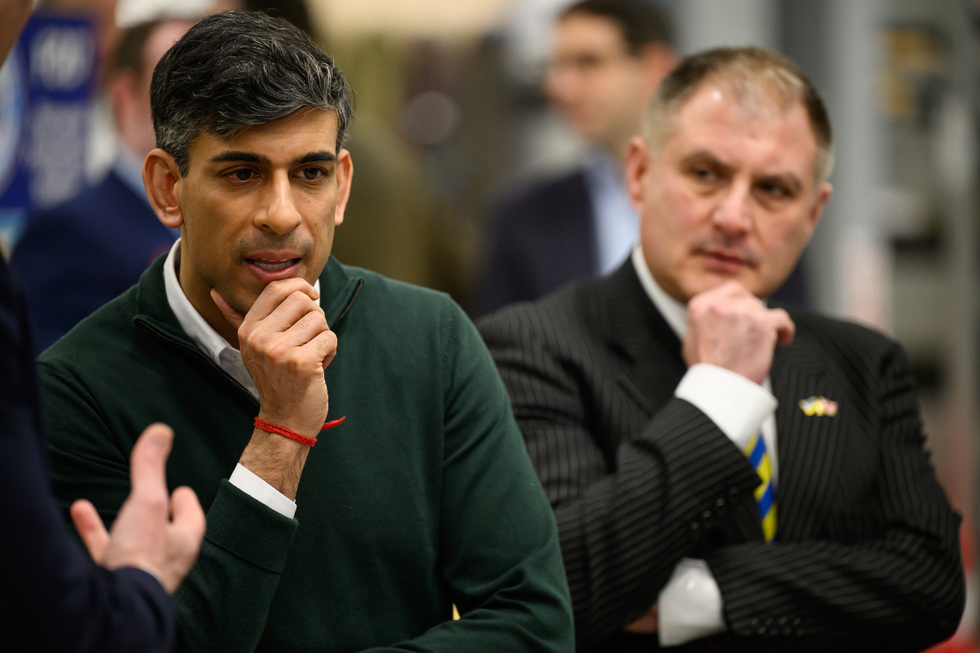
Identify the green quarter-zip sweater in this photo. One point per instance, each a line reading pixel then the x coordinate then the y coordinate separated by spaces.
pixel 423 498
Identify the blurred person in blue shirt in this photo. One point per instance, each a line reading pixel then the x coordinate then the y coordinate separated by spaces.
pixel 608 59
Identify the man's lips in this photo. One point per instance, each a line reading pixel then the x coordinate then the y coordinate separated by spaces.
pixel 724 260
pixel 273 266
pixel 725 257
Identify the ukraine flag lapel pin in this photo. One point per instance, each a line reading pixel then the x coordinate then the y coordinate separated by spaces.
pixel 818 407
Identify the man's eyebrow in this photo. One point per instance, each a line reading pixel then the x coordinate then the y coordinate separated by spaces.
pixel 315 157
pixel 788 179
pixel 235 156
pixel 704 156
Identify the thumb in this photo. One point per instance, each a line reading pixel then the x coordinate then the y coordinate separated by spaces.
pixel 147 465
pixel 91 528
pixel 234 317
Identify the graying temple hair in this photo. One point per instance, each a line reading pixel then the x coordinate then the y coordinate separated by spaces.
pixel 238 69
pixel 753 74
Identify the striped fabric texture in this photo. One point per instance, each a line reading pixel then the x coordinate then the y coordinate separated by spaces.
pixel 867 556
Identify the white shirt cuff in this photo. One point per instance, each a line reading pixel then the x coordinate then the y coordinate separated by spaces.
pixel 689 605
pixel 254 486
pixel 730 400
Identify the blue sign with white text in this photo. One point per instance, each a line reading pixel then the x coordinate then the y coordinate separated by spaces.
pixel 46 90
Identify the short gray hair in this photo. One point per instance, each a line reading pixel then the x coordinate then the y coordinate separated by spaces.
pixel 237 69
pixel 750 72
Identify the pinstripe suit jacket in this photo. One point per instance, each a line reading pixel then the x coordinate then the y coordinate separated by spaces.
pixel 867 554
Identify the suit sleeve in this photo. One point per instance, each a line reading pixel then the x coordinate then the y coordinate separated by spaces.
pixel 887 577
pixel 627 515
pixel 54 597
pixel 223 603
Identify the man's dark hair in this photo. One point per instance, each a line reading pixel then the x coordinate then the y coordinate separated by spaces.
pixel 238 69
pixel 640 21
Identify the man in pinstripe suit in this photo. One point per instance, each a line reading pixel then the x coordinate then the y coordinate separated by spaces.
pixel 654 401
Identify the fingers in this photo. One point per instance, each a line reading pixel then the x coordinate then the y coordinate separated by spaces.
pixel 234 317
pixel 645 625
pixel 275 293
pixel 147 466
pixel 324 345
pixel 90 528
pixel 297 310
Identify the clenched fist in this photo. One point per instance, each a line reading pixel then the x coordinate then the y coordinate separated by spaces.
pixel 729 327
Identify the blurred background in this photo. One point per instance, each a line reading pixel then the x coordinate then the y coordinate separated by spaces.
pixel 453 117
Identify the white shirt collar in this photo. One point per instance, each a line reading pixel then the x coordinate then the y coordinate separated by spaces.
pixel 673 311
pixel 200 332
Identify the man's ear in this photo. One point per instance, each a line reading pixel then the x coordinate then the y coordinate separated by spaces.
pixel 161 176
pixel 345 172
pixel 638 162
pixel 824 191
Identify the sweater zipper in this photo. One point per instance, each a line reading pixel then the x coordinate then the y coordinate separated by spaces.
pixel 197 352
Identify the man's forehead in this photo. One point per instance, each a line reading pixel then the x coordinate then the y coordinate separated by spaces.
pixel 715 117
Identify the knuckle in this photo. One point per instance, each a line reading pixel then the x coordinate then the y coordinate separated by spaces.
pixel 300 297
pixel 279 352
pixel 296 360
pixel 253 340
pixel 154 502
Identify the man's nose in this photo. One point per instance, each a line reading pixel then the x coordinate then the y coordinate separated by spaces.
pixel 733 214
pixel 280 214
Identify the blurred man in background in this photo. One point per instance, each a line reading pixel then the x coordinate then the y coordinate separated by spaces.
pixel 713 488
pixel 53 597
pixel 609 56
pixel 75 257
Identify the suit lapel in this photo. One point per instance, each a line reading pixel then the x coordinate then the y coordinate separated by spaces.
pixel 809 448
pixel 651 351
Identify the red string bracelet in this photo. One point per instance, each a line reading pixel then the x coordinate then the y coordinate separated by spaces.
pixel 292 435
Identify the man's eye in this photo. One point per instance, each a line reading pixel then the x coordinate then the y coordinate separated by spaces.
pixel 774 191
pixel 311 174
pixel 244 174
pixel 705 174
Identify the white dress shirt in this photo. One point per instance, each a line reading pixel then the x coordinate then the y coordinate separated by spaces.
pixel 228 359
pixel 690 604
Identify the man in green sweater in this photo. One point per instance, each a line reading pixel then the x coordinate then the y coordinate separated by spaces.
pixel 423 498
